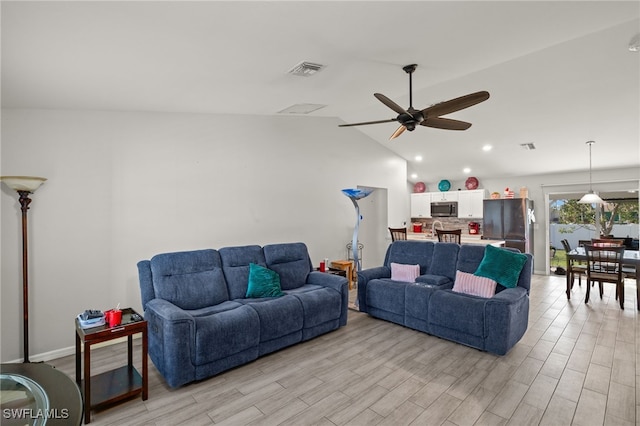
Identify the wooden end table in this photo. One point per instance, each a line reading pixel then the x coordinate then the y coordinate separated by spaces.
pixel 118 384
pixel 347 266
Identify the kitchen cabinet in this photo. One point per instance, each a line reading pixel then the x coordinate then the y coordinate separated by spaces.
pixel 421 204
pixel 470 203
pixel 444 196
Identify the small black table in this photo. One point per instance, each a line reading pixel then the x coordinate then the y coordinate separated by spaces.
pixel 115 385
pixel 62 394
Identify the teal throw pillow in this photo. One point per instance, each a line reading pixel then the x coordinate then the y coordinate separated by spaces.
pixel 263 282
pixel 501 265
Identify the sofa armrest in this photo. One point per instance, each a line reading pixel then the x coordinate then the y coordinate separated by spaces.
pixel 506 319
pixel 171 333
pixel 337 283
pixel 509 295
pixel 363 279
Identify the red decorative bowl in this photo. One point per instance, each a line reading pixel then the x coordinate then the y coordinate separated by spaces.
pixel 419 187
pixel 471 183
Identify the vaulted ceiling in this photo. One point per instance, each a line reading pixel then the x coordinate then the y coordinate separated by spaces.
pixel 559 73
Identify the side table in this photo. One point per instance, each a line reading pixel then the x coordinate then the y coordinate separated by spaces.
pixel 346 265
pixel 118 384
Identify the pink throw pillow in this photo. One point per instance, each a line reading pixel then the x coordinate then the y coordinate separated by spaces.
pixel 474 285
pixel 407 273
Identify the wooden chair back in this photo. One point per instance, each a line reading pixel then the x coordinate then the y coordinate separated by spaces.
pixel 449 236
pixel 604 265
pixel 398 234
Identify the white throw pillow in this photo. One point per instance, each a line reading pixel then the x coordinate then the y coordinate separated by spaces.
pixel 474 285
pixel 402 272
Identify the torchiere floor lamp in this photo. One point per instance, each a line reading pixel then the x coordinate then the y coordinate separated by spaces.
pixel 354 195
pixel 25 186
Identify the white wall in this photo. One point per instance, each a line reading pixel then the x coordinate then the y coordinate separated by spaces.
pixel 125 186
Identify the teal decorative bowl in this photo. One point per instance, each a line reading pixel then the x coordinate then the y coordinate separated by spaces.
pixel 444 185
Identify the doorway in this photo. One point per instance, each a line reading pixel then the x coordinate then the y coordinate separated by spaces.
pixel 373 227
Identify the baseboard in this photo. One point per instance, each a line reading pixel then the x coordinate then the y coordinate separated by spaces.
pixel 70 350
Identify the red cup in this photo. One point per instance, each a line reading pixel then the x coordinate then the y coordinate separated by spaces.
pixel 113 317
pixel 322 267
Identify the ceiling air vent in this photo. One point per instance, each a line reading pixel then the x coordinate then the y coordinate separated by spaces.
pixel 305 69
pixel 528 146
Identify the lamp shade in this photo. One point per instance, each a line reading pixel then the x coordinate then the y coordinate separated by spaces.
pixel 23 183
pixel 590 198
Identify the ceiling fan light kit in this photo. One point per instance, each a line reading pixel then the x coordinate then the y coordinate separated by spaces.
pixel 431 116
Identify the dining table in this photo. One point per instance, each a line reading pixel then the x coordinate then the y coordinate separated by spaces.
pixel 631 259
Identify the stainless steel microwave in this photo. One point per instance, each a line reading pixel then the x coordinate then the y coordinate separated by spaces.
pixel 444 209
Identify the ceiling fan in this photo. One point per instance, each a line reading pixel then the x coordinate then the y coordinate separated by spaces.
pixel 430 116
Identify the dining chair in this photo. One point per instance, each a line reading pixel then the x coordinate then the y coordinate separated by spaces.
pixel 398 234
pixel 604 265
pixel 449 236
pixel 575 267
pixel 582 243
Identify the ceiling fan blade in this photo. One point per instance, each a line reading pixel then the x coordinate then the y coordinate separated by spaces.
pixel 388 102
pixel 368 122
pixel 445 123
pixel 453 105
pixel 398 132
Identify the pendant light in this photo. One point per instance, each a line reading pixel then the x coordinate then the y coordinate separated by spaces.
pixel 590 197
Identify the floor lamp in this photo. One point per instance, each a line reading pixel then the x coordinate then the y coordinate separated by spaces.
pixel 355 195
pixel 24 186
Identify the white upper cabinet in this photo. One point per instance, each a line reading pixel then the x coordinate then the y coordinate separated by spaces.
pixel 421 204
pixel 470 203
pixel 444 196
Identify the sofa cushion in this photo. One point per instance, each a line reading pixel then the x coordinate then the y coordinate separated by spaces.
pixel 320 306
pixel 469 257
pixel 410 253
pixel 402 272
pixel 263 282
pixel 472 284
pixel 189 279
pixel 430 279
pixel 215 309
pixel 278 317
pixel 387 295
pixel 445 257
pixel 235 265
pixel 459 312
pixel 225 334
pixel 503 266
pixel 291 261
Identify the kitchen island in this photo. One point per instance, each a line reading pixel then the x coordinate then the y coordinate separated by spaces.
pixel 464 239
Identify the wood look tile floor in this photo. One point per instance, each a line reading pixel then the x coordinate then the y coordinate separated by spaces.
pixel 577 364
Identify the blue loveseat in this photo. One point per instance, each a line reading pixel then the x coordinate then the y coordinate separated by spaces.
pixel 200 322
pixel 430 305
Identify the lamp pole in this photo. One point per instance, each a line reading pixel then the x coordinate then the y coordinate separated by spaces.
pixel 24 186
pixel 24 206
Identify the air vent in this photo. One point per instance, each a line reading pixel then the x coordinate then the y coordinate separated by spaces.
pixel 528 146
pixel 305 69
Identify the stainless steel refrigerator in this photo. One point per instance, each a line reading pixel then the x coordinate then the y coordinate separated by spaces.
pixel 510 220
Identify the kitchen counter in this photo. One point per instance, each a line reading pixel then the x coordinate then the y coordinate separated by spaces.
pixel 464 239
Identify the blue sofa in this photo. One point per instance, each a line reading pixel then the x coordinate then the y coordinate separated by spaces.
pixel 200 323
pixel 492 324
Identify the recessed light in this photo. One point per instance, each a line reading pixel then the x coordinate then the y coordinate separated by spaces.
pixel 414 176
pixel 466 170
pixel 487 148
pixel 418 157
